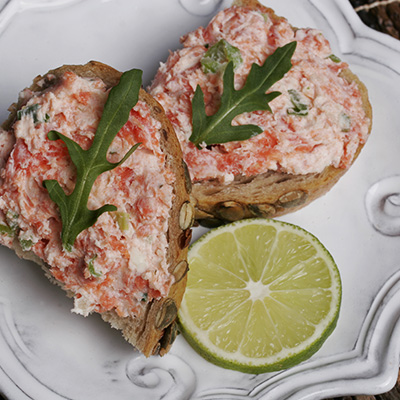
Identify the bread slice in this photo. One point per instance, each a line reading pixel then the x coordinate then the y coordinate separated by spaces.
pixel 271 193
pixel 153 330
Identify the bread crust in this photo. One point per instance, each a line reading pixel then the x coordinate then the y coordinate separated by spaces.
pixel 271 194
pixel 156 330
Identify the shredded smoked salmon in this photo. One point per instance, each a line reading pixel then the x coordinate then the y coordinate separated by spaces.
pixel 296 144
pixel 112 266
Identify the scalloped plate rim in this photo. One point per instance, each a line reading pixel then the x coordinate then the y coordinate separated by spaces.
pixel 367 354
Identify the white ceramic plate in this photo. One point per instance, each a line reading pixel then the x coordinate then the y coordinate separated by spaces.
pixel 47 353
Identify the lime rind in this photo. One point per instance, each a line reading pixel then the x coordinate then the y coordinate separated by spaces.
pixel 230 350
pixel 250 367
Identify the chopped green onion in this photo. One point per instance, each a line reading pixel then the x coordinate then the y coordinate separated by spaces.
pixel 122 220
pixel 144 297
pixel 91 269
pixel 33 112
pixel 26 244
pixel 219 55
pixel 344 122
pixel 299 108
pixel 334 58
pixel 6 229
pixel 29 110
pixel 12 220
pixel 265 16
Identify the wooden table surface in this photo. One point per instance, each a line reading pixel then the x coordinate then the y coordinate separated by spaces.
pixel 384 16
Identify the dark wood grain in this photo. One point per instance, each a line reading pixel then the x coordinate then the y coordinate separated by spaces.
pixel 381 15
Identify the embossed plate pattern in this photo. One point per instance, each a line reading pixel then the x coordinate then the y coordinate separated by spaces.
pixel 47 353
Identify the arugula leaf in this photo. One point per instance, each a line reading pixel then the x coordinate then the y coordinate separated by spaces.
pixel 75 215
pixel 217 128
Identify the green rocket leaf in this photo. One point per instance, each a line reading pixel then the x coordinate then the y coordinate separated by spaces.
pixel 75 216
pixel 217 128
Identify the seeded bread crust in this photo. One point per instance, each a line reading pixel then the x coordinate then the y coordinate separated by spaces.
pixel 271 194
pixel 155 332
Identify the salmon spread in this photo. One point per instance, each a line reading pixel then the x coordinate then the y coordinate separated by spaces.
pixel 119 263
pixel 317 121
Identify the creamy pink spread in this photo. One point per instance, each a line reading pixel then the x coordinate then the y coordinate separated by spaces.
pixel 120 262
pixel 298 144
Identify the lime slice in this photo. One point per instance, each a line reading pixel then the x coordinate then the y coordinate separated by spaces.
pixel 262 295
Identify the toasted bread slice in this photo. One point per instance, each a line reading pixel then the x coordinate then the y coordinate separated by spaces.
pixel 148 323
pixel 247 190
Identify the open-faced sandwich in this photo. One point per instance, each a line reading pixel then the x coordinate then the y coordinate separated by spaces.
pixel 94 190
pixel 267 117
